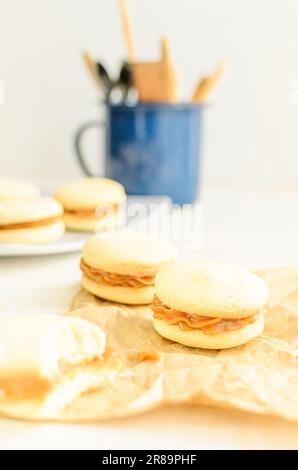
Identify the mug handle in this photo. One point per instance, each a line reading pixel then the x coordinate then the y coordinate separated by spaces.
pixel 78 143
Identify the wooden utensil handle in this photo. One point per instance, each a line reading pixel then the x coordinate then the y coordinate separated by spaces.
pixel 165 49
pixel 206 85
pixel 127 30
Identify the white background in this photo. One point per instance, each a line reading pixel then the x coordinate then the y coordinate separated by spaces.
pixel 251 126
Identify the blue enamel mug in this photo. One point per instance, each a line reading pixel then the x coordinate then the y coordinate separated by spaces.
pixel 151 148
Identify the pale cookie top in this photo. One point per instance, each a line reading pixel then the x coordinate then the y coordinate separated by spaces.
pixel 128 253
pixel 90 192
pixel 12 212
pixel 211 289
pixel 11 188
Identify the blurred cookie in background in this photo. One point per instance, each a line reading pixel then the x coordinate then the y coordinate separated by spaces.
pixel 31 221
pixel 91 204
pixel 15 189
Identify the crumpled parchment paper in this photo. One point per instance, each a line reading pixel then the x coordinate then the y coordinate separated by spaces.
pixel 259 377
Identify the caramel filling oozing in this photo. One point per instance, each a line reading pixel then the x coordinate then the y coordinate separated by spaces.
pixel 33 387
pixel 142 356
pixel 32 223
pixel 99 212
pixel 24 387
pixel 115 280
pixel 189 321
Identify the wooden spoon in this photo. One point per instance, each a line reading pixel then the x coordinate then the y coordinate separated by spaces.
pixel 156 81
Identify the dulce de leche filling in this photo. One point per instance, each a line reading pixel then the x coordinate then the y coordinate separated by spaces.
pixel 100 211
pixel 113 279
pixel 32 223
pixel 189 321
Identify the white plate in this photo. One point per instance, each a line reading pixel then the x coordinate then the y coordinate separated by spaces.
pixel 74 241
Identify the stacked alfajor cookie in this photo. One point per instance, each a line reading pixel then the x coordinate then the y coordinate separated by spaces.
pixel 31 221
pixel 25 217
pixel 91 204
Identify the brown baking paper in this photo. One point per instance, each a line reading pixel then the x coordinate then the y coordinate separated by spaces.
pixel 259 377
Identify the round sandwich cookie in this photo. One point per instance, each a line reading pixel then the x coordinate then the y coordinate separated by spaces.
pixel 91 204
pixel 121 266
pixel 34 221
pixel 15 189
pixel 208 305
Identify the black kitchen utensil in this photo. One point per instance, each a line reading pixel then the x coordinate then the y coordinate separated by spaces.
pixel 104 78
pixel 125 80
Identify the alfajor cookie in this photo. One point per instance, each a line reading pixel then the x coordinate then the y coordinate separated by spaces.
pixel 91 204
pixel 121 266
pixel 15 189
pixel 31 221
pixel 208 305
pixel 47 361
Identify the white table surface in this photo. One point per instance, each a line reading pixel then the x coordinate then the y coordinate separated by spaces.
pixel 253 227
